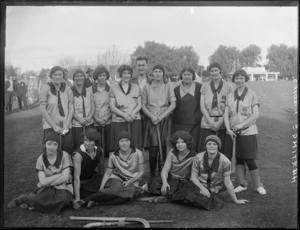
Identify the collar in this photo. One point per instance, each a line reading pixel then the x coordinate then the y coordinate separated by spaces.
pixel 237 97
pixel 191 154
pixel 191 90
pixel 129 88
pixel 95 88
pixel 53 89
pixel 212 86
pixel 136 78
pixel 214 165
pixel 77 94
pixel 83 149
pixel 57 161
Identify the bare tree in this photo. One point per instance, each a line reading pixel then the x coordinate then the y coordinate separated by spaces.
pixel 66 62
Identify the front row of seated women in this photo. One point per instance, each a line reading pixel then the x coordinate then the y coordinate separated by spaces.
pixel 186 178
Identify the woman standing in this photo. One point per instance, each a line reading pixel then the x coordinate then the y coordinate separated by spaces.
pixel 213 98
pixel 240 117
pixel 210 172
pixel 120 181
pixel 125 103
pixel 187 114
pixel 158 101
pixel 84 108
pixel 176 172
pixel 103 113
pixel 87 166
pixel 56 106
pixel 55 181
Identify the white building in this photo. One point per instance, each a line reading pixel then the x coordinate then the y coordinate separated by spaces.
pixel 260 74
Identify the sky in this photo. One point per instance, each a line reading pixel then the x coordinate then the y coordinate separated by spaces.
pixel 39 36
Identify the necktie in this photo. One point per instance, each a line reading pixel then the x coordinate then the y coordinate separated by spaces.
pixel 83 106
pixel 215 91
pixel 60 108
pixel 239 98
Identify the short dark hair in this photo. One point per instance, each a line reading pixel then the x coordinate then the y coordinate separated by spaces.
pixel 92 134
pixel 141 58
pixel 100 69
pixel 188 69
pixel 123 68
pixel 56 68
pixel 185 136
pixel 214 65
pixel 240 72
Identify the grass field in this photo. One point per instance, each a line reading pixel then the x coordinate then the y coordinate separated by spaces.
pixel 277 209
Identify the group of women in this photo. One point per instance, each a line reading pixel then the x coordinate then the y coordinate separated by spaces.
pixel 125 119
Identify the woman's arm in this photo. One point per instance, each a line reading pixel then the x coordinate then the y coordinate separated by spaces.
pixel 70 115
pixel 92 112
pixel 204 111
pixel 168 110
pixel 140 174
pixel 44 181
pixel 114 109
pixel 164 174
pixel 46 116
pixel 137 108
pixel 64 178
pixel 229 187
pixel 227 124
pixel 105 178
pixel 195 180
pixel 77 171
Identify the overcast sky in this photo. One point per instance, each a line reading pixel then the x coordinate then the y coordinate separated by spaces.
pixel 38 36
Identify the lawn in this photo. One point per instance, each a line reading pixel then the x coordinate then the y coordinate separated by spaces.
pixel 277 209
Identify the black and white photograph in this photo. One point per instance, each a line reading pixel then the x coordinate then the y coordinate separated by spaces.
pixel 167 114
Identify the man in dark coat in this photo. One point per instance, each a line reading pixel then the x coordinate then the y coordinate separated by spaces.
pixel 21 90
pixel 89 81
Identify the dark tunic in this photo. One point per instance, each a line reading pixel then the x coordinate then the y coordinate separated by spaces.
pixel 187 114
pixel 90 180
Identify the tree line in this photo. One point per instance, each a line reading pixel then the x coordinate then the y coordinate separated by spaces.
pixel 281 58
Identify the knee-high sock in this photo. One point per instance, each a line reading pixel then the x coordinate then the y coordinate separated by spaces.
pixel 255 178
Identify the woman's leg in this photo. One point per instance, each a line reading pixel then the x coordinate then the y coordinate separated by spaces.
pixel 153 151
pixel 241 173
pixel 255 176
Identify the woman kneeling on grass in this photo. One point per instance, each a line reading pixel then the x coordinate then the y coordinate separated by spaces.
pixel 55 181
pixel 88 165
pixel 120 181
pixel 210 172
pixel 176 171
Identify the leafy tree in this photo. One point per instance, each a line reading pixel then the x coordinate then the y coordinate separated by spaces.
pixel 250 56
pixel 173 59
pixel 12 71
pixel 283 59
pixel 227 57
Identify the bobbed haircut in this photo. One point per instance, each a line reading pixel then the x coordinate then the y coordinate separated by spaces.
pixel 240 72
pixel 141 58
pixel 188 69
pixel 123 68
pixel 185 136
pixel 100 69
pixel 92 134
pixel 56 68
pixel 214 65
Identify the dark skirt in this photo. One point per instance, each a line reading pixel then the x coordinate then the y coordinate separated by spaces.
pixel 115 187
pixel 177 189
pixel 246 147
pixel 194 198
pixel 90 186
pixel 78 135
pixel 194 130
pixel 135 132
pixel 52 200
pixel 106 146
pixel 151 139
pixel 66 140
pixel 221 133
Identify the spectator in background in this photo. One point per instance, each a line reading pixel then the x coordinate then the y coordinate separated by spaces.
pixel 84 108
pixel 56 105
pixel 187 114
pixel 142 77
pixel 89 81
pixel 6 94
pixel 10 93
pixel 66 79
pixel 21 90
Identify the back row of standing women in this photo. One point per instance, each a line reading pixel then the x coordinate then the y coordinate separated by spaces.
pixel 143 107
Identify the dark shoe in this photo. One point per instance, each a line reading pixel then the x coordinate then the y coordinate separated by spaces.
pixel 78 204
pixel 16 202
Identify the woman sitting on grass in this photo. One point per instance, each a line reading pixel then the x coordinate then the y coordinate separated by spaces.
pixel 120 181
pixel 210 172
pixel 55 181
pixel 88 165
pixel 176 171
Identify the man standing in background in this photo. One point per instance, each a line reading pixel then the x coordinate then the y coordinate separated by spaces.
pixel 9 86
pixel 89 81
pixel 21 90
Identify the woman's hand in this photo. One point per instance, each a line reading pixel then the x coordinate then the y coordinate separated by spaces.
pixel 82 120
pixel 127 183
pixel 164 189
pixel 57 129
pixel 231 134
pixel 237 127
pixel 205 192
pixel 242 201
pixel 127 117
pixel 154 120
